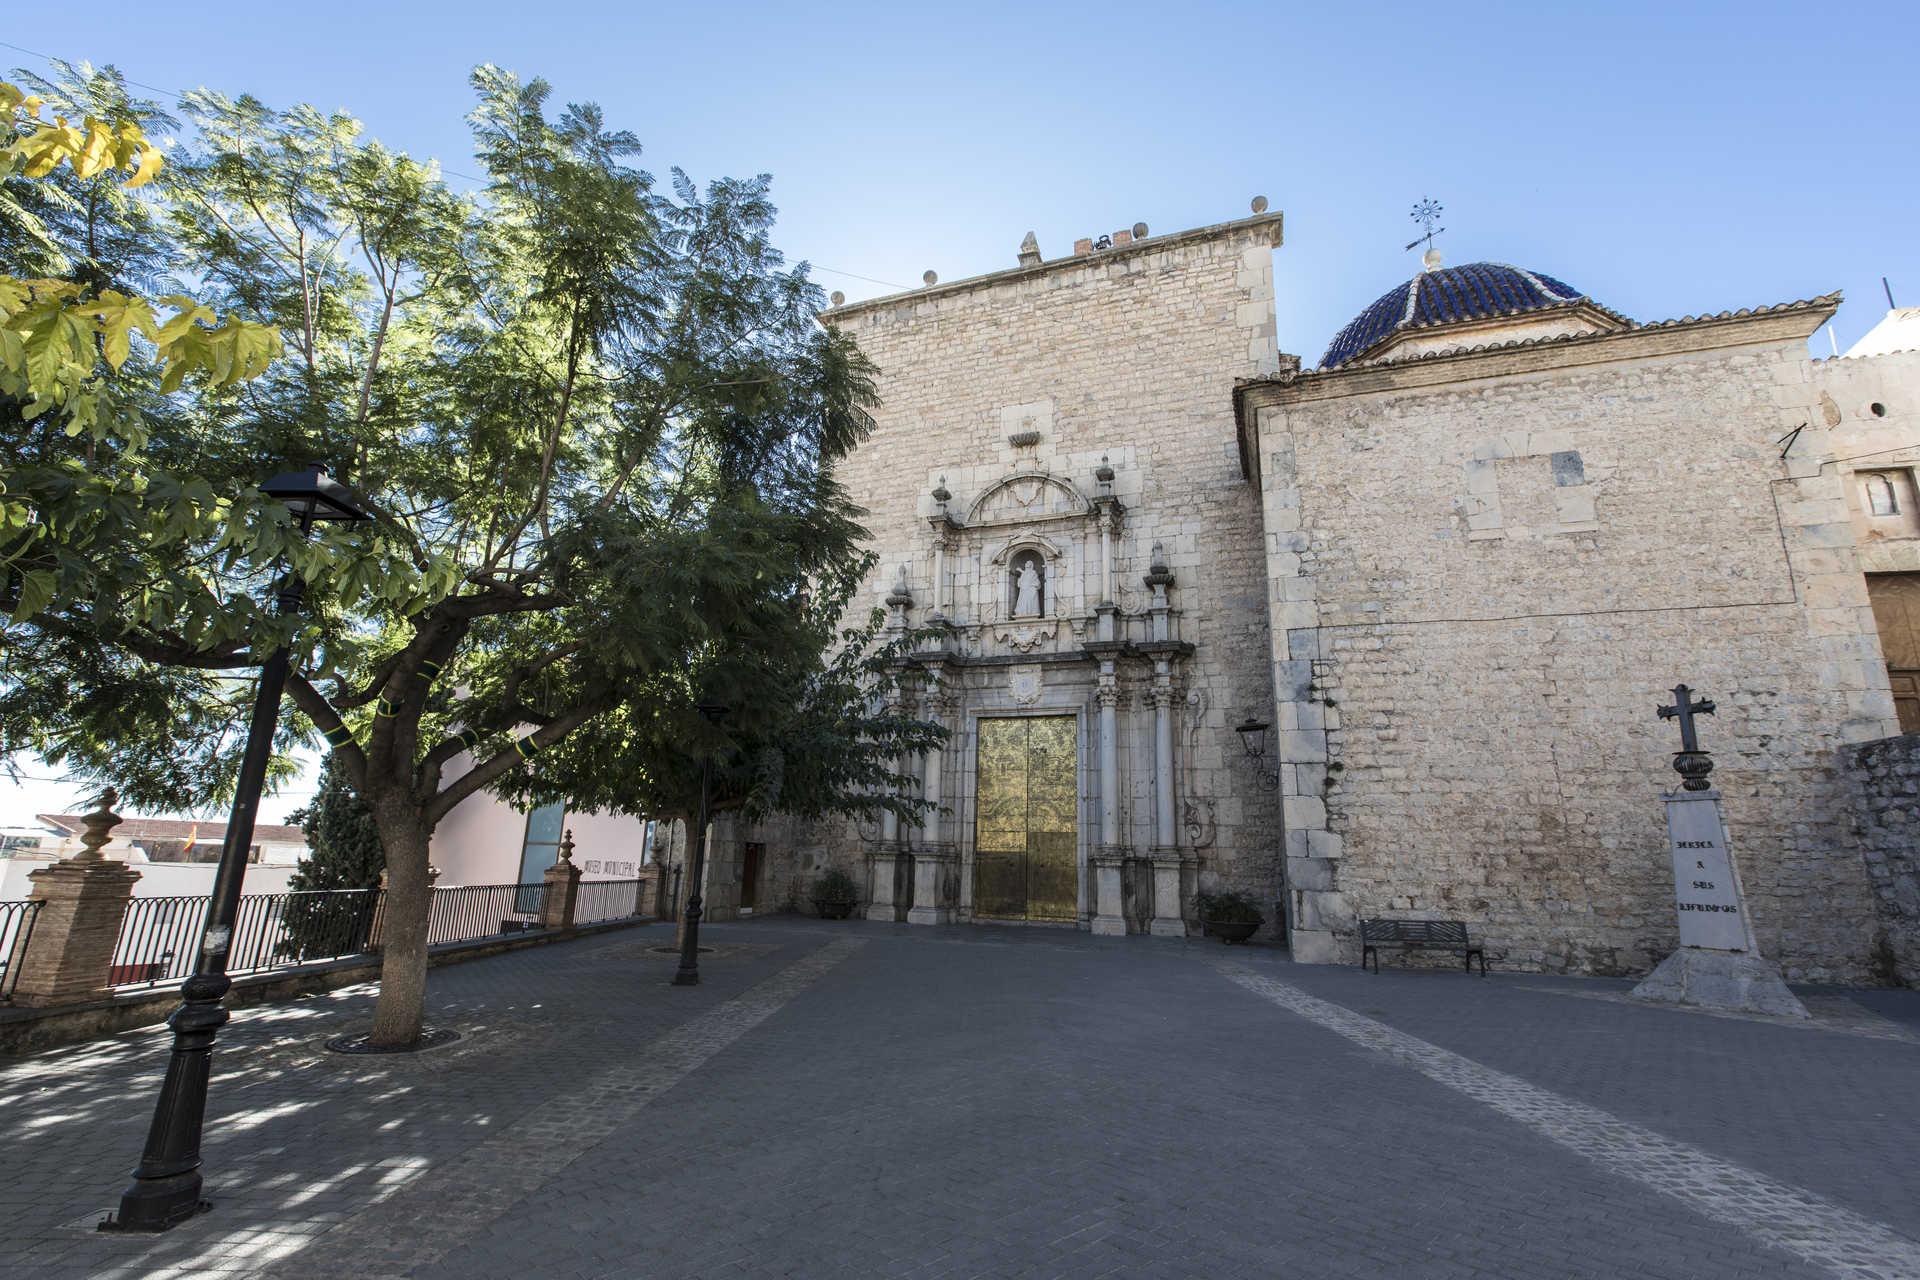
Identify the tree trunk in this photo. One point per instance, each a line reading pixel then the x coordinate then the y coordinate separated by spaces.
pixel 401 1008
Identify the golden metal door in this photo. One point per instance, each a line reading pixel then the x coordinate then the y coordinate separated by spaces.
pixel 1026 820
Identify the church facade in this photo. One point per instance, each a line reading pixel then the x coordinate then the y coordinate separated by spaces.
pixel 1385 637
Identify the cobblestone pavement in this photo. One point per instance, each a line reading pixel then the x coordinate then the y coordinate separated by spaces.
pixel 858 1099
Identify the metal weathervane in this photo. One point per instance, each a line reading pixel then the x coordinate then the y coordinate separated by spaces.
pixel 1426 213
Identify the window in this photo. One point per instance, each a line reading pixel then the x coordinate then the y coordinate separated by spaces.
pixel 1880 496
pixel 538 851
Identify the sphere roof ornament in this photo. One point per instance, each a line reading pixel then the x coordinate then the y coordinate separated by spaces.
pixel 1451 295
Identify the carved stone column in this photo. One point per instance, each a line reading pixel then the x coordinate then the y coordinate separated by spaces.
pixel 69 954
pixel 1108 698
pixel 1109 915
pixel 933 854
pixel 1163 776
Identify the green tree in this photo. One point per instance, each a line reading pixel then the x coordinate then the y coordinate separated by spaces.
pixel 598 426
pixel 346 855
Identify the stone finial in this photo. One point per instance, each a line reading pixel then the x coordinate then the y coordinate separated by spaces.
pixel 930 278
pixel 1259 204
pixel 1104 474
pixel 1030 251
pixel 566 847
pixel 838 298
pixel 940 493
pixel 900 597
pixel 99 827
pixel 1158 574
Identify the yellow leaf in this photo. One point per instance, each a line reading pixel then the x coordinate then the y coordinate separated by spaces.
pixel 95 150
pixel 149 167
pixel 10 97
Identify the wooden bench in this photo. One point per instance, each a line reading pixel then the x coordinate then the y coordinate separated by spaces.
pixel 1418 935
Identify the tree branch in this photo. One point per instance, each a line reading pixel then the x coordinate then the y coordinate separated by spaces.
pixel 487 771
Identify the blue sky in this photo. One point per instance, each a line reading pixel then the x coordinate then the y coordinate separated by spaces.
pixel 1668 159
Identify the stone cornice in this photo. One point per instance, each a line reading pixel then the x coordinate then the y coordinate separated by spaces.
pixel 994 279
pixel 1782 323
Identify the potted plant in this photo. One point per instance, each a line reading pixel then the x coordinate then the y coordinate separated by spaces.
pixel 834 894
pixel 1228 916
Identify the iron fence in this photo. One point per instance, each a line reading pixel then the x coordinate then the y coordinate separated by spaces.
pixel 463 913
pixel 275 930
pixel 607 900
pixel 16 929
pixel 158 936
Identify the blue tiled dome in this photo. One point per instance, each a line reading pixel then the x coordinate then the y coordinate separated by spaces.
pixel 1476 291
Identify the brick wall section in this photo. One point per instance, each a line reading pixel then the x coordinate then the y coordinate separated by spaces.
pixel 1886 787
pixel 1487 571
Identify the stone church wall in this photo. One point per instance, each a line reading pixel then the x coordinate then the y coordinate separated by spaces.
pixel 1487 572
pixel 1886 782
pixel 1129 356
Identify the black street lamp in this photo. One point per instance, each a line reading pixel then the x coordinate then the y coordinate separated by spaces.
pixel 165 1190
pixel 688 974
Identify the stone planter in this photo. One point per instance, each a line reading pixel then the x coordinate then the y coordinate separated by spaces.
pixel 1231 931
pixel 833 910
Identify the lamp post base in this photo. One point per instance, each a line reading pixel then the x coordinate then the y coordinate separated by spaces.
pixel 163 1209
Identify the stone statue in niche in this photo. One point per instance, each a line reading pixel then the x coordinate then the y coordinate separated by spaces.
pixel 1028 586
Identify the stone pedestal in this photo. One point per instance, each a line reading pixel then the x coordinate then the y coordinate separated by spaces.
pixel 1109 911
pixel 931 904
pixel 1169 897
pixel 69 956
pixel 883 871
pixel 562 889
pixel 1718 965
pixel 647 904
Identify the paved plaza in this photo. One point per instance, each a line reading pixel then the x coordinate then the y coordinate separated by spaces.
pixel 849 1099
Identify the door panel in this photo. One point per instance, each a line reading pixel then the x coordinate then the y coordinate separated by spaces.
pixel 1026 819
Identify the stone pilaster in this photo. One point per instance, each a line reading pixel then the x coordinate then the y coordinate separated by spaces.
pixel 84 899
pixel 883 870
pixel 932 874
pixel 1109 915
pixel 1170 873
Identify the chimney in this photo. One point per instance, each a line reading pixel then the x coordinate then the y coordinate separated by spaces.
pixel 1030 251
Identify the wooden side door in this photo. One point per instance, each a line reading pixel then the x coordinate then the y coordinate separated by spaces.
pixel 1896 613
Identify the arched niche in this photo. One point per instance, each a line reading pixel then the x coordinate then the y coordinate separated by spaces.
pixel 1028 495
pixel 1045 557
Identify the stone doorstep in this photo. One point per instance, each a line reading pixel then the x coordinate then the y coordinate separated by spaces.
pixel 25 1029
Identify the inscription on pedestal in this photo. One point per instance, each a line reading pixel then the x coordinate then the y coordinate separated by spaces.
pixel 1708 900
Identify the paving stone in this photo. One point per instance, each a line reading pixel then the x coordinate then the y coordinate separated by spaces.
pixel 865 1099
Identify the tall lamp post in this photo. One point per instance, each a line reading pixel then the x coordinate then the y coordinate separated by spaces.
pixel 165 1190
pixel 688 974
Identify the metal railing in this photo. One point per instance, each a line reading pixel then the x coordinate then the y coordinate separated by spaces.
pixel 277 930
pixel 463 913
pixel 158 936
pixel 600 900
pixel 16 929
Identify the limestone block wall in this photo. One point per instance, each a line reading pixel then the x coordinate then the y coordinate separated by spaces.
pixel 1886 787
pixel 1487 571
pixel 1128 355
pixel 1871 407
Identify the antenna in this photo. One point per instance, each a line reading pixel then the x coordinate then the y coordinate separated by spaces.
pixel 1889 289
pixel 1426 213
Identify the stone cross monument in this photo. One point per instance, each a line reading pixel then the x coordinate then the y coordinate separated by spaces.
pixel 1718 965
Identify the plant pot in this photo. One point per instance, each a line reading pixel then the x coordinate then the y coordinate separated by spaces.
pixel 1231 931
pixel 832 910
